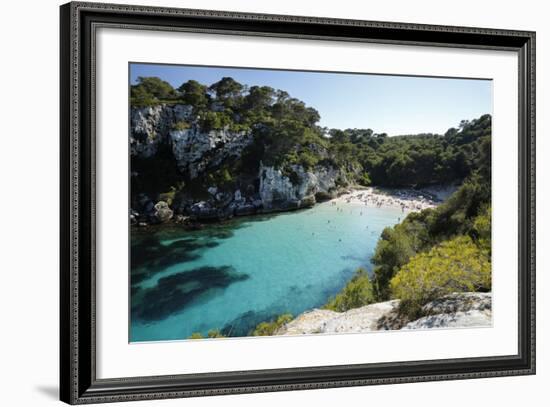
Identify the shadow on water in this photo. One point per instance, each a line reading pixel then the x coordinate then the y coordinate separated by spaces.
pixel 149 255
pixel 361 259
pixel 174 292
pixel 156 248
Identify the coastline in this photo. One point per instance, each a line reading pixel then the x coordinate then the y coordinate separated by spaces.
pixel 407 199
pixel 369 198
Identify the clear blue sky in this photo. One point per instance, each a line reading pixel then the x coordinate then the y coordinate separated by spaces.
pixel 384 103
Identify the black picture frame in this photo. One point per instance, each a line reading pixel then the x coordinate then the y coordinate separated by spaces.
pixel 78 382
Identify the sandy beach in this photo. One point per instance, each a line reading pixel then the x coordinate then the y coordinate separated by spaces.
pixel 409 200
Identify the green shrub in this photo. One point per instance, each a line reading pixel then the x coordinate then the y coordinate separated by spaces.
pixel 308 160
pixel 393 250
pixel 181 125
pixel 215 333
pixel 215 120
pixel 457 265
pixel 221 177
pixel 421 231
pixel 364 179
pixel 269 328
pixel 168 196
pixel 482 229
pixel 356 293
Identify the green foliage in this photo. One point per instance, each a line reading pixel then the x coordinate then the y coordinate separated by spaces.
pixel 170 195
pixel 221 178
pixel 269 328
pixel 194 94
pixel 415 160
pixel 307 159
pixel 481 230
pixel 258 100
pixel 151 90
pixel 181 125
pixel 457 265
pixel 356 293
pixel 395 247
pixel 215 120
pixel 364 179
pixel 457 214
pixel 139 97
pixel 286 132
pixel 227 88
pixel 215 333
pixel 419 232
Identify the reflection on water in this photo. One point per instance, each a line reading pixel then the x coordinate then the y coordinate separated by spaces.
pixel 233 275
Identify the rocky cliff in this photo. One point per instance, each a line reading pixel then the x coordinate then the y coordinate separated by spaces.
pixel 150 127
pixel 217 184
pixel 300 188
pixel 456 310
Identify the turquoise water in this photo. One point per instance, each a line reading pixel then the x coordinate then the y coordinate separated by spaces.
pixel 233 275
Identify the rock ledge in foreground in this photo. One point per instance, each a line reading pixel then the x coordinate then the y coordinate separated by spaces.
pixel 453 311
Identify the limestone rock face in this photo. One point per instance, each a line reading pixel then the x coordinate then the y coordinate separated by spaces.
pixel 163 212
pixel 172 133
pixel 459 302
pixel 297 186
pixel 361 319
pixel 309 322
pixel 195 151
pixel 458 310
pixel 459 319
pixel 455 310
pixel 150 126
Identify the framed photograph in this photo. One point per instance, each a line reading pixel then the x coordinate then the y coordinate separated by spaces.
pixel 255 203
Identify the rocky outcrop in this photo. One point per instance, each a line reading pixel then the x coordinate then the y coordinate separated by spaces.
pixel 150 126
pixel 195 150
pixel 456 310
pixel 172 134
pixel 163 212
pixel 361 319
pixel 296 186
pixel 468 319
pixel 453 311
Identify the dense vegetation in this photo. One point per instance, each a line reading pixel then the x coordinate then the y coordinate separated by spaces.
pixel 287 132
pixel 415 159
pixel 462 224
pixel 436 251
pixel 456 265
pixel 419 232
pixel 357 292
pixel 269 328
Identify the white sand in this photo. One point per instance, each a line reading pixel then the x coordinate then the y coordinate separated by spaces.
pixel 407 199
